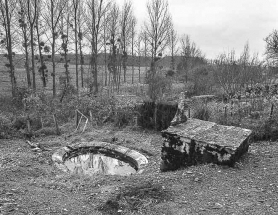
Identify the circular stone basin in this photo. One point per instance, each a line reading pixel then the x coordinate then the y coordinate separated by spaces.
pixel 88 158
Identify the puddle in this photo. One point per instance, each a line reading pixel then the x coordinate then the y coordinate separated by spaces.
pixel 90 164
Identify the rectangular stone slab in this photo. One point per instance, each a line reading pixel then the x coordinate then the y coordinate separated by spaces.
pixel 198 141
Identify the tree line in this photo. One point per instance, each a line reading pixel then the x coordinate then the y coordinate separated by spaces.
pixel 42 29
pixel 47 28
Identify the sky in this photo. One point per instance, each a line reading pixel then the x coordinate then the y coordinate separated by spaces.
pixel 218 26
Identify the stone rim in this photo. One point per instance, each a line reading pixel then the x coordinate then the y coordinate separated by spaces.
pixel 132 156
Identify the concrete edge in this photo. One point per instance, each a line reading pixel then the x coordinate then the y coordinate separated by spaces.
pixel 139 160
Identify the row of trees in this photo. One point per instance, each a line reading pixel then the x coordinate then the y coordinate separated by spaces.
pixel 42 29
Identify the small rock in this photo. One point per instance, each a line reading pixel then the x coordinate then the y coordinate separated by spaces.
pixel 217 206
pixel 196 179
pixel 189 172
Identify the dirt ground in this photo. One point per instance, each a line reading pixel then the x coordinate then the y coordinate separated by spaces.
pixel 30 184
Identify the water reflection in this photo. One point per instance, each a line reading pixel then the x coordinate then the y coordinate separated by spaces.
pixel 89 164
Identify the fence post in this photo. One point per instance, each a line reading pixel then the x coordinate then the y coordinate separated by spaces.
pixel 225 114
pixel 271 110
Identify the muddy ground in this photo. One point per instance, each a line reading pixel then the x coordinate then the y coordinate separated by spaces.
pixel 30 184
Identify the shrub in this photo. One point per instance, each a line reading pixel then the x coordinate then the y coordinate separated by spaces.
pixel 202 113
pixel 158 84
pixel 5 126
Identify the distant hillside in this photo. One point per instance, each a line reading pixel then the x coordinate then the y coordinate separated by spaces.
pixel 166 61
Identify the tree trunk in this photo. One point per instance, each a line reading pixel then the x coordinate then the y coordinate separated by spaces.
pixel 76 51
pixel 33 56
pixel 42 69
pixel 132 53
pixel 81 62
pixel 27 61
pixel 53 66
pixel 9 47
pixel 139 69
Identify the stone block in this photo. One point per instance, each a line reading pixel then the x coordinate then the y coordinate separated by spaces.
pixel 197 141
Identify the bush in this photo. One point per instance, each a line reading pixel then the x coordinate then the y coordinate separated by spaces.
pixel 202 113
pixel 5 127
pixel 158 84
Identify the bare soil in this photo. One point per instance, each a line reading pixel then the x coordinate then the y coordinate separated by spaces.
pixel 30 184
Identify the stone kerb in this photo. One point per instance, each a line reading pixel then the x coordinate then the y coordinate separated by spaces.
pixel 64 153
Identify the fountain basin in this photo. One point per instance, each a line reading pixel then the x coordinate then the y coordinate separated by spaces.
pixel 88 158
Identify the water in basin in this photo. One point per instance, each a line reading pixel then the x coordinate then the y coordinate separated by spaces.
pixel 90 164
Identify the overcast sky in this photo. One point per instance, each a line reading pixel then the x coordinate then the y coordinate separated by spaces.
pixel 219 26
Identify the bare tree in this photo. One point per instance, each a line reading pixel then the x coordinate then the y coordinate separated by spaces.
pixel 105 49
pixel 52 15
pixel 145 40
pixel 7 9
pixel 22 16
pixel 95 23
pixel 173 43
pixel 138 45
pixel 126 26
pixel 272 46
pixel 191 55
pixel 113 28
pixel 42 46
pixel 250 68
pixel 157 27
pixel 80 25
pixel 32 15
pixel 75 4
pixel 64 31
pixel 133 34
pixel 235 74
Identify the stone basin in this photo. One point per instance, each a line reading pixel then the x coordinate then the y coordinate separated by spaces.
pixel 89 158
pixel 196 141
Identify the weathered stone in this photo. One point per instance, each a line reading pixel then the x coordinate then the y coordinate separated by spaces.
pixel 197 141
pixel 98 157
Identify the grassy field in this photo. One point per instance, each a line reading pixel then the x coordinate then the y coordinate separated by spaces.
pixel 22 80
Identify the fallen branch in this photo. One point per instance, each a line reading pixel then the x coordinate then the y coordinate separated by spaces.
pixel 79 120
pixel 36 146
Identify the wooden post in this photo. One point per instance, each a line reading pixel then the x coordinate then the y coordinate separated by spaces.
pixel 91 116
pixel 271 110
pixel 85 125
pixel 42 122
pixel 225 114
pixel 28 124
